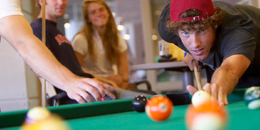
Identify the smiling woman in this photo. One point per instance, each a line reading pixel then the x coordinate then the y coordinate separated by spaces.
pixel 98 45
pixel 94 11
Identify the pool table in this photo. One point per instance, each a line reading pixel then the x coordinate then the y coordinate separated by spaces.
pixel 118 114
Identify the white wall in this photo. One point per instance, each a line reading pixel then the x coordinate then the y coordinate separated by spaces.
pixel 33 85
pixel 19 87
pixel 12 79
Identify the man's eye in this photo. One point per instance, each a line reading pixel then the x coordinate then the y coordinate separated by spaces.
pixel 185 33
pixel 202 30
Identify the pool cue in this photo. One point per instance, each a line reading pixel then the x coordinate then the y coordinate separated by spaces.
pixel 197 76
pixel 44 42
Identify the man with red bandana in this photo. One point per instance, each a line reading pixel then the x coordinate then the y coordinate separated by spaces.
pixel 224 38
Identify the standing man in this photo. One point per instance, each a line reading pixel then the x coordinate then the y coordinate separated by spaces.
pixel 17 31
pixel 223 37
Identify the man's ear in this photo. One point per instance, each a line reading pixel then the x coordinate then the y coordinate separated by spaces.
pixel 40 2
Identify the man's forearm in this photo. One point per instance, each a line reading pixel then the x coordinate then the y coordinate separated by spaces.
pixel 230 71
pixel 38 57
pixel 225 78
pixel 33 51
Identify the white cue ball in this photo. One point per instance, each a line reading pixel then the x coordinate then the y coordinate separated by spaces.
pixel 200 97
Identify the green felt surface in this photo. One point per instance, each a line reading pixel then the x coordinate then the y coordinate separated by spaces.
pixel 118 114
pixel 240 118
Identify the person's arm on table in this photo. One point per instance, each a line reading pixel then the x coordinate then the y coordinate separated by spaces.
pixel 122 64
pixel 104 80
pixel 17 31
pixel 225 78
pixel 123 71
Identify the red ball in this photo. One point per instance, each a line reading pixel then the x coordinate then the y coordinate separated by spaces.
pixel 209 115
pixel 159 108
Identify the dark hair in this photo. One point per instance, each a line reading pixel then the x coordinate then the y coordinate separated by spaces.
pixel 213 20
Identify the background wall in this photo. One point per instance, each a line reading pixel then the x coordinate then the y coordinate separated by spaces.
pixel 19 86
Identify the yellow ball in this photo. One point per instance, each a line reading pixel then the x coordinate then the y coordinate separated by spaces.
pixel 37 114
pixel 53 122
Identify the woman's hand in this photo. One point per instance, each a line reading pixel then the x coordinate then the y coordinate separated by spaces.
pixel 118 79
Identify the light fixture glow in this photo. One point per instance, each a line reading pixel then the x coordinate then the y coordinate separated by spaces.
pixel 126 36
pixel 66 16
pixel 67 25
pixel 154 37
pixel 120 27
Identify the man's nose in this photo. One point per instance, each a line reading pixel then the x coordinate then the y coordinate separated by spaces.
pixel 61 2
pixel 196 41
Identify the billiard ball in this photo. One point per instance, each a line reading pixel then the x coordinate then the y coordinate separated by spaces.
pixel 159 108
pixel 200 97
pixel 103 99
pixel 52 122
pixel 36 114
pixel 208 116
pixel 139 103
pixel 252 98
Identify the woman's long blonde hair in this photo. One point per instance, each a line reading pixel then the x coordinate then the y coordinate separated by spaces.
pixel 109 39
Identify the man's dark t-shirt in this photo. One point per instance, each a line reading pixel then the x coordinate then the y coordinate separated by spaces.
pixel 60 47
pixel 238 34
